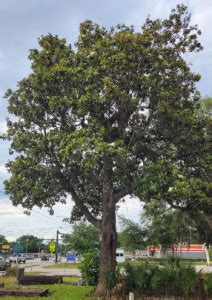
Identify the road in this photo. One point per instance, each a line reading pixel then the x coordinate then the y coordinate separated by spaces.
pixel 38 267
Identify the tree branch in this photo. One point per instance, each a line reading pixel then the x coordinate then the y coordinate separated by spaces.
pixel 120 195
pixel 79 203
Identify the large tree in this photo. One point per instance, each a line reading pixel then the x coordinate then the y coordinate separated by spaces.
pixel 91 120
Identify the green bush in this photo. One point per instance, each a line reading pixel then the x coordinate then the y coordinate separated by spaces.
pixel 210 253
pixel 167 278
pixel 89 267
pixel 208 284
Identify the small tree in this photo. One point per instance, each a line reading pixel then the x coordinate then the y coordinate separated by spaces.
pixel 132 236
pixel 2 239
pixel 84 238
pixel 93 121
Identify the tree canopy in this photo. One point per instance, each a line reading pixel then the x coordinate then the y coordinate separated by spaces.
pixel 31 243
pixel 2 239
pixel 84 238
pixel 132 236
pixel 115 115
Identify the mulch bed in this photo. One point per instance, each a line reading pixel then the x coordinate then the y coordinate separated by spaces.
pixel 39 279
pixel 23 292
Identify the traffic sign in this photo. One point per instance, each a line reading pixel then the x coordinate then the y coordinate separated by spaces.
pixel 5 247
pixel 52 247
pixel 17 248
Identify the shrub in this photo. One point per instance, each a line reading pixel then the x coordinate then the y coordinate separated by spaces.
pixel 89 267
pixel 208 284
pixel 11 271
pixel 168 278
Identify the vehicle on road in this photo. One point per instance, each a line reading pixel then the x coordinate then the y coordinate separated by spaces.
pixel 44 258
pixel 12 258
pixel 120 256
pixel 21 258
pixel 18 258
pixel 29 256
pixel 3 263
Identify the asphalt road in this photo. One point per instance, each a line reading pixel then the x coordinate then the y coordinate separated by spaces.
pixel 38 267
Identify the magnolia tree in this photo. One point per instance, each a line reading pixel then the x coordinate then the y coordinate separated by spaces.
pixel 97 121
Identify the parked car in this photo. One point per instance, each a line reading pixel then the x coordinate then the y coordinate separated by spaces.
pixel 13 259
pixel 17 258
pixel 44 258
pixel 30 256
pixel 21 258
pixel 3 263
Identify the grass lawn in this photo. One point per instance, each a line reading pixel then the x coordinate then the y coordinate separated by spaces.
pixel 58 291
pixel 62 266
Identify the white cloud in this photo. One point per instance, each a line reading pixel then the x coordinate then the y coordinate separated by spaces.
pixel 131 208
pixel 202 15
pixel 8 211
pixel 3 176
pixel 3 127
pixel 3 171
pixel 11 238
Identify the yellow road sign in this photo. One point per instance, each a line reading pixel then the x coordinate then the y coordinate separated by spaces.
pixel 52 247
pixel 5 246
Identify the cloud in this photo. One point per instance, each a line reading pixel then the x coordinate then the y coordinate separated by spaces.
pixel 3 127
pixel 3 176
pixel 131 208
pixel 3 171
pixel 11 238
pixel 8 211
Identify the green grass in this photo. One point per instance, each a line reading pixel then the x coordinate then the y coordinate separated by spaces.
pixel 32 273
pixel 58 291
pixel 62 266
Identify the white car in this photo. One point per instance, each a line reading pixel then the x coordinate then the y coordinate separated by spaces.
pixel 20 258
pixel 13 258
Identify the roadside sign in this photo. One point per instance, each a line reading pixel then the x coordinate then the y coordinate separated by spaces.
pixel 71 257
pixel 17 248
pixel 52 247
pixel 5 247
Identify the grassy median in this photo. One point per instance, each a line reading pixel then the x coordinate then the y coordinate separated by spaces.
pixel 57 291
pixel 62 266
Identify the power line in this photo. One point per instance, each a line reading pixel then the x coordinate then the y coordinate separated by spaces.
pixel 36 229
pixel 47 217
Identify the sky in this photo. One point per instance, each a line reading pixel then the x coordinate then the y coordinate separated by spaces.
pixel 22 22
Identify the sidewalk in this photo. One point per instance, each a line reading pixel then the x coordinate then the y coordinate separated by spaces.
pixel 61 272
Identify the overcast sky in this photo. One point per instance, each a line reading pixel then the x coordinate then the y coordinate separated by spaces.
pixel 23 21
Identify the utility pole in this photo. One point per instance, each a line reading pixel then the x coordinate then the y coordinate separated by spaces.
pixel 57 246
pixel 27 244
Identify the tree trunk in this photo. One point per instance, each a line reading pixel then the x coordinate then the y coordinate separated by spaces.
pixel 108 251
pixel 208 219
